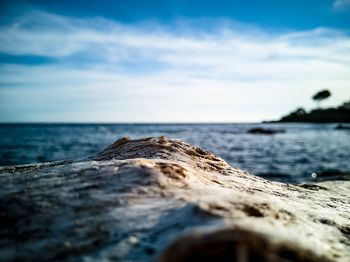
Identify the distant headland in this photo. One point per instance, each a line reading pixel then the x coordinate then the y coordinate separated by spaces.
pixel 340 114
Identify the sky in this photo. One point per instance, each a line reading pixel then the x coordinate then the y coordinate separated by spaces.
pixel 170 61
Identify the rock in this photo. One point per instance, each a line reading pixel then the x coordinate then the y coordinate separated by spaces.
pixel 331 174
pixel 156 198
pixel 264 131
pixel 341 126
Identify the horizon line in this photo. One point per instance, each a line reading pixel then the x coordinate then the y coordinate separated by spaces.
pixel 121 123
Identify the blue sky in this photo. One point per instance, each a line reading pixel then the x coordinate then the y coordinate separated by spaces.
pixel 170 61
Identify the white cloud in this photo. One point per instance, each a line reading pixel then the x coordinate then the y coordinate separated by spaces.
pixel 341 4
pixel 108 71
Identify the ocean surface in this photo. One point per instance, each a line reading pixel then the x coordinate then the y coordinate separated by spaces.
pixel 291 156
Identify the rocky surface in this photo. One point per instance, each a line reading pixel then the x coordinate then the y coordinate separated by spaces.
pixel 161 199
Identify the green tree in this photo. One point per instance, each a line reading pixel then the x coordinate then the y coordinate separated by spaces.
pixel 321 95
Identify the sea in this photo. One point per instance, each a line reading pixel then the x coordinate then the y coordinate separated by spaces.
pixel 302 153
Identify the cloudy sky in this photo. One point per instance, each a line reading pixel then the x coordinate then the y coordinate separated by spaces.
pixel 170 61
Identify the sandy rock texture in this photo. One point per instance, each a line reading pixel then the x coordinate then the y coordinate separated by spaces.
pixel 161 199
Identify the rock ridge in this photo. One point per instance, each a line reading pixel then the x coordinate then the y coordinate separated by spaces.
pixel 162 199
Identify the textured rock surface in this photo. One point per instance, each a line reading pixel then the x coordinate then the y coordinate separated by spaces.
pixel 156 198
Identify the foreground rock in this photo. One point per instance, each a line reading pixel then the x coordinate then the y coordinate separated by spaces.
pixel 156 198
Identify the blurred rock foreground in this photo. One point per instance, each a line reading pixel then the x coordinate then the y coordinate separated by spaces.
pixel 160 199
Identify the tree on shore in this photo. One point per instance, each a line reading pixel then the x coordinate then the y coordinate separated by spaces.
pixel 321 95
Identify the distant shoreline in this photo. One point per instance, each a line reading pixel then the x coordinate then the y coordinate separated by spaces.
pixel 155 123
pixel 340 114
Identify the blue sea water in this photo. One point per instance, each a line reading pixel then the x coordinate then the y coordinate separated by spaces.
pixel 291 156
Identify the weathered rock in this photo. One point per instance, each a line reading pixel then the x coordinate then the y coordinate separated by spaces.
pixel 156 198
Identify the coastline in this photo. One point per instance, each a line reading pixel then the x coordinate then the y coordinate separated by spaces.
pixel 340 114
